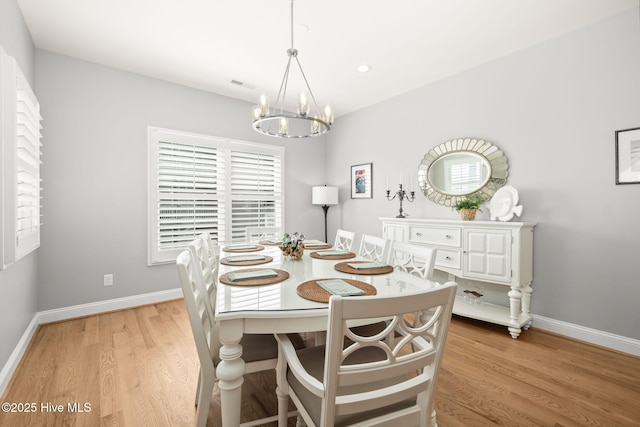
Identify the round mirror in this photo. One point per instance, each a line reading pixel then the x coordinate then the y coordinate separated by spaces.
pixel 460 167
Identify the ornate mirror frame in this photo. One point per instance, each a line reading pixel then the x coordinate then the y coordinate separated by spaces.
pixel 499 169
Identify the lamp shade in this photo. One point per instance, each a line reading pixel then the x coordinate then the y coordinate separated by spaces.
pixel 323 195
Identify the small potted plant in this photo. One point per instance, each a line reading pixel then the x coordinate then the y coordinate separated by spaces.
pixel 292 245
pixel 468 206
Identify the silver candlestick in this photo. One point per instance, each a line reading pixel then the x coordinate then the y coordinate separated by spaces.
pixel 401 195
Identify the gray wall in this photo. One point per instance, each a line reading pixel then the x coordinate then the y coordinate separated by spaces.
pixel 18 283
pixel 553 109
pixel 95 174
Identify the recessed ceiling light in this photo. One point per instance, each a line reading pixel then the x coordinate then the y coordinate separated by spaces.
pixel 364 68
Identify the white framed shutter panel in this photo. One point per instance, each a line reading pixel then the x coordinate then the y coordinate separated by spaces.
pixel 256 190
pixel 27 168
pixel 191 190
pixel 21 144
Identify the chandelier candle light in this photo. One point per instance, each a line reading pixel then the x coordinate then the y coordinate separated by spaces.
pixel 401 195
pixel 303 123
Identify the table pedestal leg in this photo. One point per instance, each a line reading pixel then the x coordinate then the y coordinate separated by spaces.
pixel 229 372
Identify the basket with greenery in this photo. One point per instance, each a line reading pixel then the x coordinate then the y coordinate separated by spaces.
pixel 292 245
pixel 469 205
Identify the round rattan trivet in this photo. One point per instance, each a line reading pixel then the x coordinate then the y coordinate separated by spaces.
pixel 333 257
pixel 312 291
pixel 254 249
pixel 345 268
pixel 282 275
pixel 266 259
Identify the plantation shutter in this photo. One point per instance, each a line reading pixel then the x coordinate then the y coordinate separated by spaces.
pixel 256 191
pixel 27 168
pixel 20 160
pixel 189 185
pixel 199 183
pixel 464 177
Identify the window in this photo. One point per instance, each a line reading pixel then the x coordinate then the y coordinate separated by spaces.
pixel 201 183
pixel 464 176
pixel 20 112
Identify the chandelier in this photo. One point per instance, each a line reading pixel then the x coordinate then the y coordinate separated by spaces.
pixel 307 121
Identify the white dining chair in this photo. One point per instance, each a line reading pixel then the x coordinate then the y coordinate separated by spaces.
pixel 374 248
pixel 255 234
pixel 207 255
pixel 414 259
pixel 388 379
pixel 259 351
pixel 345 240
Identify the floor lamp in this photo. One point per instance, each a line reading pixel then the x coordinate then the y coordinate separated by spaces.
pixel 325 196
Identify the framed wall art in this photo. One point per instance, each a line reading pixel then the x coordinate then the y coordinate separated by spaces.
pixel 362 181
pixel 628 156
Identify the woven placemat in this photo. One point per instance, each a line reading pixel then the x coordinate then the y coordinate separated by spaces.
pixel 269 243
pixel 318 247
pixel 332 257
pixel 257 248
pixel 312 291
pixel 249 262
pixel 345 268
pixel 282 275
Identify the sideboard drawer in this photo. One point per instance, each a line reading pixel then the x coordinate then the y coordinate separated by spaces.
pixel 449 258
pixel 437 236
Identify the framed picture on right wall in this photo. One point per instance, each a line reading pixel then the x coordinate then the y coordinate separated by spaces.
pixel 361 181
pixel 628 156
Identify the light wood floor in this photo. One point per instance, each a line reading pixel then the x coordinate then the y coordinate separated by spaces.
pixel 139 367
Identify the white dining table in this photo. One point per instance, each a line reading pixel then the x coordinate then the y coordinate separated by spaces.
pixel 278 308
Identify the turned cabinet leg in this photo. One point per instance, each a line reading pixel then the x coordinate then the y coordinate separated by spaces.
pixel 526 299
pixel 515 332
pixel 515 300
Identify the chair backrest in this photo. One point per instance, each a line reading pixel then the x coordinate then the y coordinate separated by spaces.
pixel 375 248
pixel 345 241
pixel 255 234
pixel 398 364
pixel 200 317
pixel 206 255
pixel 414 259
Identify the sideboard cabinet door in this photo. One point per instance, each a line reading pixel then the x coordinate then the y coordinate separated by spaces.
pixel 487 254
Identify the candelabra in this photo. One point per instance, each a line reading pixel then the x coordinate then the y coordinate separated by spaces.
pixel 401 195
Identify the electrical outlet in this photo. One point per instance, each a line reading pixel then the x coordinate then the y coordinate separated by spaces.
pixel 108 279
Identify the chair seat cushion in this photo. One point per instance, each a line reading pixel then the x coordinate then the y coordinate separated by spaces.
pixel 313 361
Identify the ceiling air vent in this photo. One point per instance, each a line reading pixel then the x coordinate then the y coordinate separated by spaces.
pixel 243 84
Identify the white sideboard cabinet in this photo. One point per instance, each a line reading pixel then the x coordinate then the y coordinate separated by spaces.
pixel 497 253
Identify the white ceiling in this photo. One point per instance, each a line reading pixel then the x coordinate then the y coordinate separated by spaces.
pixel 207 43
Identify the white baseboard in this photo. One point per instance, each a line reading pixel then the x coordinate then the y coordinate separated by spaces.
pixel 593 336
pixel 71 312
pixel 81 310
pixel 9 368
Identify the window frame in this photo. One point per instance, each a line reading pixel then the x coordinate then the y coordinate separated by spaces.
pixel 155 137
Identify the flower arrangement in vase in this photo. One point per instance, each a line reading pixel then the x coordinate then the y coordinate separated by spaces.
pixel 468 206
pixel 292 245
